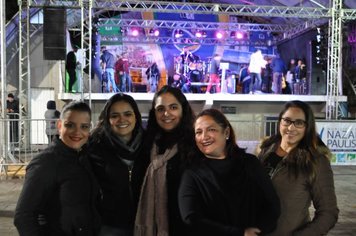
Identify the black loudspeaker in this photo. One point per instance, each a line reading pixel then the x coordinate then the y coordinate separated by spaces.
pixel 54 33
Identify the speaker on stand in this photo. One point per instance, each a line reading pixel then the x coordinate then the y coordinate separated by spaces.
pixel 54 33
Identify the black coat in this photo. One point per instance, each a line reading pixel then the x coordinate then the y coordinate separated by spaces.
pixel 61 189
pixel 226 199
pixel 120 187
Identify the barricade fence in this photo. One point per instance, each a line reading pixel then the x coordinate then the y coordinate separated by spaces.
pixel 21 140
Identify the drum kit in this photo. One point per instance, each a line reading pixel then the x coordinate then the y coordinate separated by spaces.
pixel 193 71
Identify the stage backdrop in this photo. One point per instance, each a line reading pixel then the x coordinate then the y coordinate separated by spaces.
pixel 142 54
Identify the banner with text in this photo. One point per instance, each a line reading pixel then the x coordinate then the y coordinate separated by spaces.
pixel 341 140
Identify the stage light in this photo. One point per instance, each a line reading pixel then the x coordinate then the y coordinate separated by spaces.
pixel 154 32
pixel 178 34
pixel 219 35
pixel 232 34
pixel 135 32
pixel 204 34
pixel 198 34
pixel 239 35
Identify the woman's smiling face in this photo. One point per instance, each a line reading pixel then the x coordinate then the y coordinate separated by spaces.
pixel 210 137
pixel 168 111
pixel 292 135
pixel 122 120
pixel 74 128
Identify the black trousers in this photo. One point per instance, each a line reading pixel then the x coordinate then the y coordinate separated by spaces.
pixel 72 79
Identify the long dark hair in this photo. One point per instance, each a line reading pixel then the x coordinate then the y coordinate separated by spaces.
pixel 184 131
pixel 104 123
pixel 300 163
pixel 231 144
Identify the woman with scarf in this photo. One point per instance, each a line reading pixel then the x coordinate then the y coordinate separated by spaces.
pixel 119 163
pixel 171 135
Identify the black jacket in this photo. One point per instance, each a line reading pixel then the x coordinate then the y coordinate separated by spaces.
pixel 120 183
pixel 61 189
pixel 224 197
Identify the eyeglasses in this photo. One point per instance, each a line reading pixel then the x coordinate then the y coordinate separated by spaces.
pixel 297 123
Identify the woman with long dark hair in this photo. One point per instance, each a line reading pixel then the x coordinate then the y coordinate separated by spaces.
pixel 119 163
pixel 301 173
pixel 169 138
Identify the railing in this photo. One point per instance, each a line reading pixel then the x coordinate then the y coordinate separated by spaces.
pixel 17 148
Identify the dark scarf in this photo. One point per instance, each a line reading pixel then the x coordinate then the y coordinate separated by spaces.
pixel 127 151
pixel 167 140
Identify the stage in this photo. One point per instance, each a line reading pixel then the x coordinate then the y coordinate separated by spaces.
pixel 210 98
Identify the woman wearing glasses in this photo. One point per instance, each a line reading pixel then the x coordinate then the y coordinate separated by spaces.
pixel 300 173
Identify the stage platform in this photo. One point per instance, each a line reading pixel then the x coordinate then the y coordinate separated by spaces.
pixel 209 98
pixel 247 104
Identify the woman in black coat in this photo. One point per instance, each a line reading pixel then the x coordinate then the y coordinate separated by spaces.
pixel 119 163
pixel 60 192
pixel 228 192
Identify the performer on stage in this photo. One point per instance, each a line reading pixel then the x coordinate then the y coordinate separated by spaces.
pixel 257 62
pixel 153 76
pixel 122 69
pixel 214 74
pixel 187 57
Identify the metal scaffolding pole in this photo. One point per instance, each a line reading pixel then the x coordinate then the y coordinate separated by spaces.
pixel 3 57
pixel 86 42
pixel 334 79
pixel 3 126
pixel 24 90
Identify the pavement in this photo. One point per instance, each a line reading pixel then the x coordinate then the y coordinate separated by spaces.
pixel 345 185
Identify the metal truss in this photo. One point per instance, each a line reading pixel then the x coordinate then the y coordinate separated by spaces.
pixel 348 14
pixel 3 126
pixel 295 30
pixel 125 23
pixel 196 8
pixel 2 59
pixel 86 42
pixel 34 29
pixel 334 76
pixel 172 40
pixel 24 90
